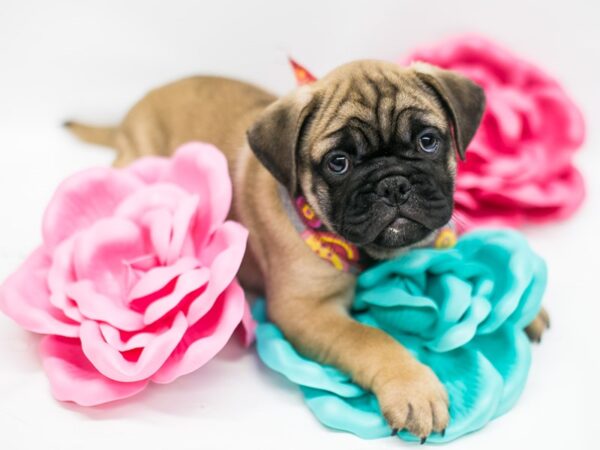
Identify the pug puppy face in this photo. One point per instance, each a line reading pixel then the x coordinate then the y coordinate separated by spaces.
pixel 372 146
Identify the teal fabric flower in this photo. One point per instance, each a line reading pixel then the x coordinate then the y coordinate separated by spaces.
pixel 461 311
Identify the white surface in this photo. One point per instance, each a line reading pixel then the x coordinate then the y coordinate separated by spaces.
pixel 92 60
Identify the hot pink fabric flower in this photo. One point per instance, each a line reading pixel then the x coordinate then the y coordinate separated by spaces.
pixel 519 165
pixel 135 279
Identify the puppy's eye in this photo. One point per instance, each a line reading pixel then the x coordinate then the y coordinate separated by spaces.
pixel 338 164
pixel 428 141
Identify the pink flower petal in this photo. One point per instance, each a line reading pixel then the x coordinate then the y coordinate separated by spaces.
pixel 507 120
pixel 202 169
pixel 60 274
pixel 562 118
pixel 186 284
pixel 82 199
pixel 73 378
pixel 25 298
pixel 158 277
pixel 160 223
pixel 159 196
pixel 149 169
pixel 182 222
pixel 101 254
pixel 114 338
pixel 168 212
pixel 61 271
pixel 96 306
pixel 207 337
pixel 67 306
pixel 112 364
pixel 223 255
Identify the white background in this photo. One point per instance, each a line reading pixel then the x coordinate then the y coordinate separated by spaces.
pixel 92 60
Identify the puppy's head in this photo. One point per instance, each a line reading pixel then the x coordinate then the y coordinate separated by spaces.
pixel 372 146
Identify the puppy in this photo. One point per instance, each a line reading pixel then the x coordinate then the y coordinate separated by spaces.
pixel 357 167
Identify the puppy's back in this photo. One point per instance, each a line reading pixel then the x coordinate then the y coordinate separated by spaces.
pixel 205 108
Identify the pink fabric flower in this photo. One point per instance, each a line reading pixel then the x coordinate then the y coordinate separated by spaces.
pixel 519 165
pixel 135 279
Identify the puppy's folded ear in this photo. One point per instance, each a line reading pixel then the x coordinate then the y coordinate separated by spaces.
pixel 276 135
pixel 463 99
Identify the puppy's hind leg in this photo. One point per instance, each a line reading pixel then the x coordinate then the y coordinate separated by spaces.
pixel 540 324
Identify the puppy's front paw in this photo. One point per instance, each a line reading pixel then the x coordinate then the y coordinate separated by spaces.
pixel 414 399
pixel 536 329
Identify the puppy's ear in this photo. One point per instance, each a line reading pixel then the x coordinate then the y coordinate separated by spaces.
pixel 463 99
pixel 275 136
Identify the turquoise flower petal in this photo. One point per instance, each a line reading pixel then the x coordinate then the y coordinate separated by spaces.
pixel 279 355
pixel 474 389
pixel 509 351
pixel 358 415
pixel 460 311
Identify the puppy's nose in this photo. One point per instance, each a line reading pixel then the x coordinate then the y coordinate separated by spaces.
pixel 393 189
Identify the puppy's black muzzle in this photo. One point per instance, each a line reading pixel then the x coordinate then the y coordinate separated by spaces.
pixel 393 190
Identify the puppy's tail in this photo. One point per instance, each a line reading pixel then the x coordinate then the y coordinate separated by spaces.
pixel 94 135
